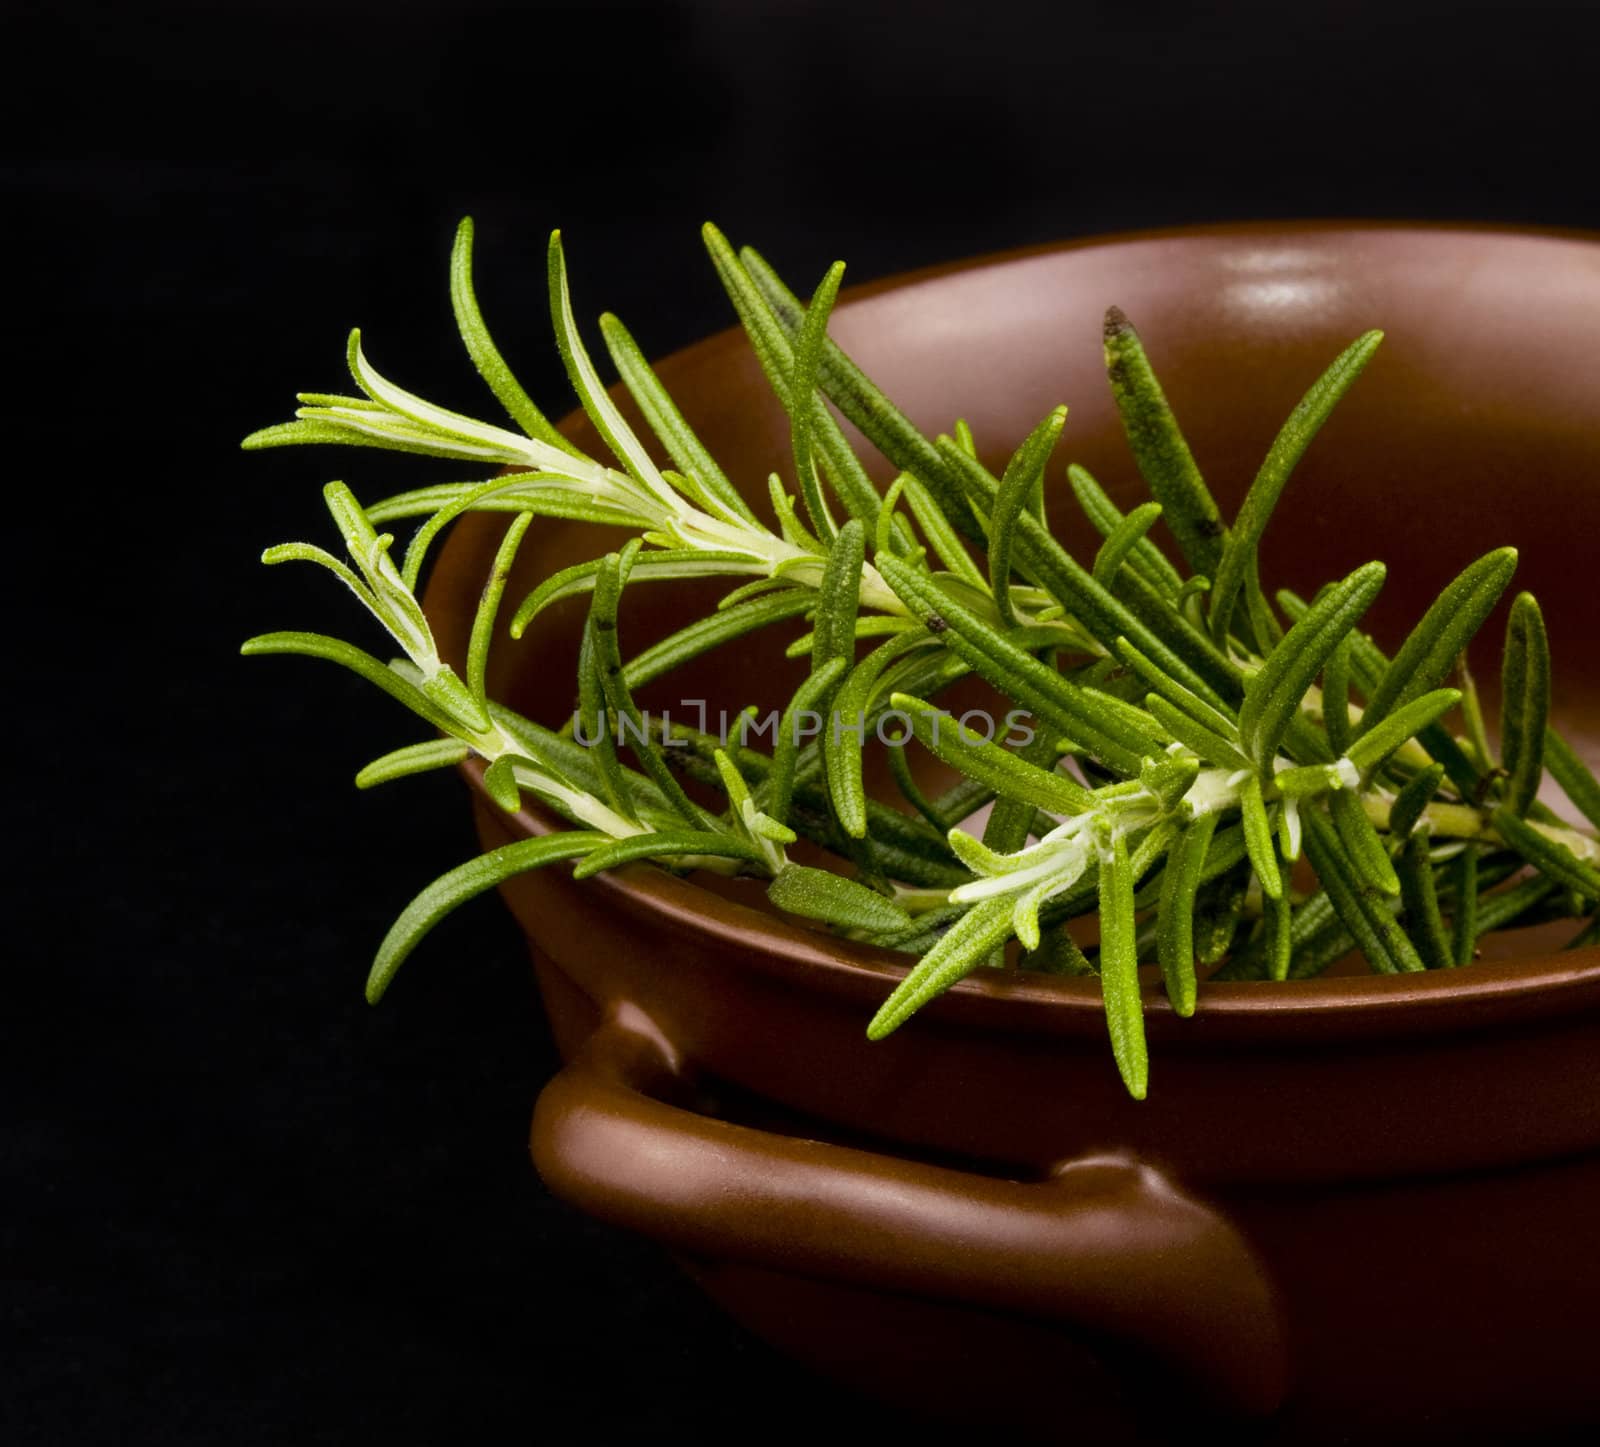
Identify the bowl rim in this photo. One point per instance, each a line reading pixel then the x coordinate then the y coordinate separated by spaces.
pixel 934 271
pixel 1364 1005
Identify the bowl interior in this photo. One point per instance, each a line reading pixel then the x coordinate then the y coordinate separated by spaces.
pixel 1475 426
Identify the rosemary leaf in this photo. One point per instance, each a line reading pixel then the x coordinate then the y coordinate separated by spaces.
pixel 483 620
pixel 1524 702
pixel 704 634
pixel 1144 556
pixel 1277 915
pixel 1195 736
pixel 486 355
pixel 667 422
pixel 336 650
pixel 968 942
pixel 1336 696
pixel 1429 653
pixel 597 733
pixel 1373 867
pixel 500 783
pixel 1464 920
pixel 665 845
pixel 991 764
pixel 1547 855
pixel 1370 750
pixel 1419 898
pixel 802 397
pixel 1331 942
pixel 1577 780
pixel 1220 904
pixel 843 758
pixel 1061 575
pixel 1159 447
pixel 1507 906
pixel 1119 968
pixel 413 759
pixel 608 585
pixel 1022 478
pixel 1273 696
pixel 1360 907
pixel 1258 837
pixel 911 791
pixel 1239 550
pixel 1016 672
pixel 597 404
pixel 465 882
pixel 1058 954
pixel 1413 799
pixel 1219 723
pixel 861 400
pixel 776 355
pixel 943 538
pixel 808 701
pixel 1121 542
pixel 819 894
pixel 839 598
pixel 1180 882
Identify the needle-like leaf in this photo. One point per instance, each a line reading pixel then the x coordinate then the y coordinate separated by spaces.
pixel 776 354
pixel 1429 653
pixel 1274 695
pixel 1464 921
pixel 1144 557
pixel 1120 743
pixel 1258 837
pixel 486 355
pixel 597 404
pixel 1118 547
pixel 802 392
pixel 969 941
pixel 819 894
pixel 462 883
pixel 413 759
pixel 1413 799
pixel 1363 847
pixel 1524 702
pixel 1119 968
pixel 1420 899
pixel 990 763
pixel 1370 750
pixel 1239 551
pixel 608 585
pixel 1159 447
pixel 1021 480
pixel 489 606
pixel 851 390
pixel 1360 907
pixel 844 734
pixel 696 844
pixel 666 421
pixel 704 634
pixel 1549 856
pixel 1102 615
pixel 1577 779
pixel 1180 882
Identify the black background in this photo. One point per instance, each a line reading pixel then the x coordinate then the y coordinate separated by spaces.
pixel 239 1205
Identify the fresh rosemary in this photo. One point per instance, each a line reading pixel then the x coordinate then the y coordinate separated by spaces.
pixel 1180 751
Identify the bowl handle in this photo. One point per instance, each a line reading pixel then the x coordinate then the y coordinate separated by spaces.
pixel 1106 1243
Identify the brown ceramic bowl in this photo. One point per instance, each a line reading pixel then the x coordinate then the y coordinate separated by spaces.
pixel 1355 1207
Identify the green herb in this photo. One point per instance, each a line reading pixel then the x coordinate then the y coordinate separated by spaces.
pixel 1168 748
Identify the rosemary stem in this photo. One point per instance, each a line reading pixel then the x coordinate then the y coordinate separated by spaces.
pixel 1462 821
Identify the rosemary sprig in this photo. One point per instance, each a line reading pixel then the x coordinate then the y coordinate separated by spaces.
pixel 1173 750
